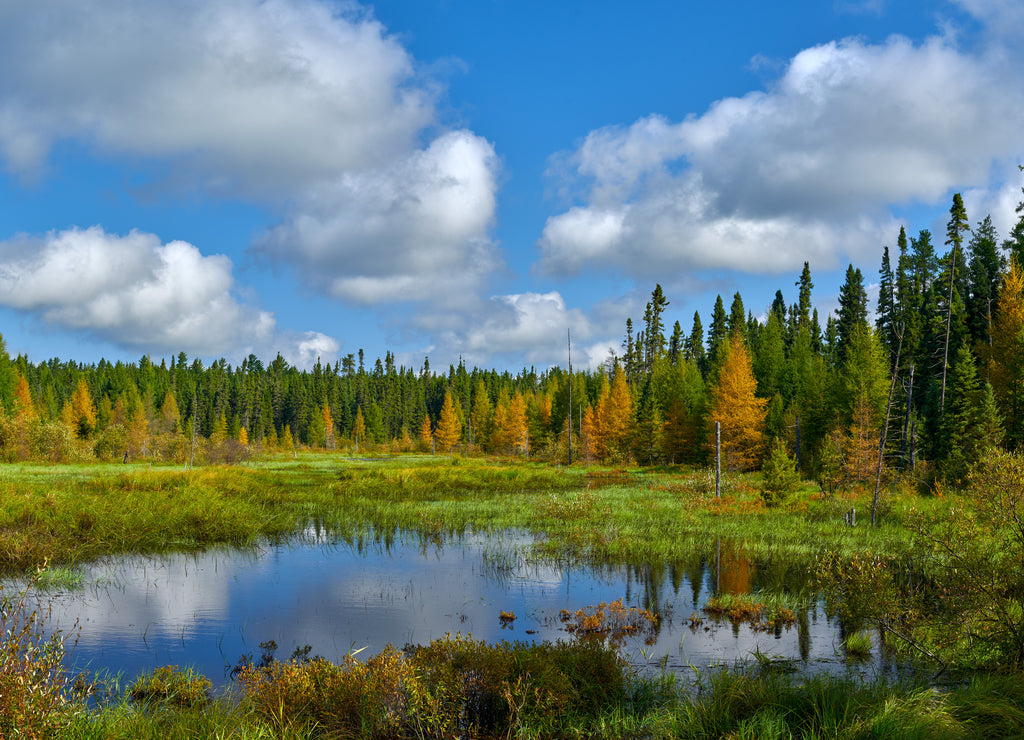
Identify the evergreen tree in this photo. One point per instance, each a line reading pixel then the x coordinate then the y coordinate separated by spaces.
pixel 737 317
pixel 695 343
pixel 804 299
pixel 969 425
pixel 852 313
pixel 984 273
pixel 955 230
pixel 1014 245
pixel 718 338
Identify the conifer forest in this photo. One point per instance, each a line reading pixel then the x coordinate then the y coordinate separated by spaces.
pixel 936 369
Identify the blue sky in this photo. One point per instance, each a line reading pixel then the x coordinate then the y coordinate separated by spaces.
pixel 471 178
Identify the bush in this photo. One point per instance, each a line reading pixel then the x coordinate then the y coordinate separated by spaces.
pixel 35 687
pixel 168 685
pixel 455 686
pixel 780 476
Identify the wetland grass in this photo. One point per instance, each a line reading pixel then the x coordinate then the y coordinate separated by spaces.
pixel 54 516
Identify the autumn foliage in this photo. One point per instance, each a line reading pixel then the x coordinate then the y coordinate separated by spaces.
pixel 740 413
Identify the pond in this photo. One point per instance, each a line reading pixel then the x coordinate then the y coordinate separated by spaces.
pixel 206 610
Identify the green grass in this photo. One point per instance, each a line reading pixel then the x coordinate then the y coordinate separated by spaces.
pixel 52 517
pixel 65 514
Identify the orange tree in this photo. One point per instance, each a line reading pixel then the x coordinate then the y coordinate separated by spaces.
pixel 740 413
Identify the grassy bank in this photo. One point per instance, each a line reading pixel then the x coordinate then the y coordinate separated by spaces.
pixel 52 517
pixel 70 513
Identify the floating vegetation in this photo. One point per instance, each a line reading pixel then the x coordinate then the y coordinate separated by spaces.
pixel 612 622
pixel 57 578
pixel 745 608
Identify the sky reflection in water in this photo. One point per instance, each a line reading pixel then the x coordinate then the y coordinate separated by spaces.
pixel 208 609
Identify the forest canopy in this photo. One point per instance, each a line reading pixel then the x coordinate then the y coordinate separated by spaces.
pixel 940 370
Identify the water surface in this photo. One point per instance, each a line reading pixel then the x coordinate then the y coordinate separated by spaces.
pixel 206 610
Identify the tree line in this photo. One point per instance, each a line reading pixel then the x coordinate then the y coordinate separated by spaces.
pixel 938 376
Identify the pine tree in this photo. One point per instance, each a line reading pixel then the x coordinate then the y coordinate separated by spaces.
pixel 852 312
pixel 736 407
pixel 984 273
pixel 737 317
pixel 1014 245
pixel 955 231
pixel 695 343
pixel 804 299
pixel 718 338
pixel 970 424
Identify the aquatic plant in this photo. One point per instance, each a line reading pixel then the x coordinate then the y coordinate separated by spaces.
pixel 612 622
pixel 168 685
pixel 36 690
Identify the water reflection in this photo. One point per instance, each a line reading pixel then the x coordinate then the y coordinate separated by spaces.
pixel 208 609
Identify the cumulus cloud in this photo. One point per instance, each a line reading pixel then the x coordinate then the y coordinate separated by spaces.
pixel 415 230
pixel 309 105
pixel 139 293
pixel 803 171
pixel 251 92
pixel 530 327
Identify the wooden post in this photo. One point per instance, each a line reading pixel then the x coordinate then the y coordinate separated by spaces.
pixel 718 459
pixel 568 336
pixel 798 443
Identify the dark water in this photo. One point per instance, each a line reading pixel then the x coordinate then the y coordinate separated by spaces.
pixel 206 610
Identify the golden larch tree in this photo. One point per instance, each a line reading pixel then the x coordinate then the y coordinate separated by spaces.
pixel 449 428
pixel 359 427
pixel 740 412
pixel 480 416
pixel 328 418
pixel 518 426
pixel 614 416
pixel 24 406
pixel 426 432
pixel 500 438
pixel 587 434
pixel 1006 367
pixel 80 412
pixel 170 416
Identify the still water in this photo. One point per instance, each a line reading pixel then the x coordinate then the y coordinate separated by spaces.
pixel 208 609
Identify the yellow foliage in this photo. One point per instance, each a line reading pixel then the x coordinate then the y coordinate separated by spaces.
pixel 449 428
pixel 79 412
pixel 740 413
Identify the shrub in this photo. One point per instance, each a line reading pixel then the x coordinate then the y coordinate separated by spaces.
pixel 168 685
pixel 780 476
pixel 455 686
pixel 35 687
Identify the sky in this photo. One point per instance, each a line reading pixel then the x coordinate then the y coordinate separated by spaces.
pixel 474 179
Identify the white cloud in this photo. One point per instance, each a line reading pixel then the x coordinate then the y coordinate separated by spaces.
pixel 415 230
pixel 139 293
pixel 251 93
pixel 308 105
pixel 530 327
pixel 804 171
